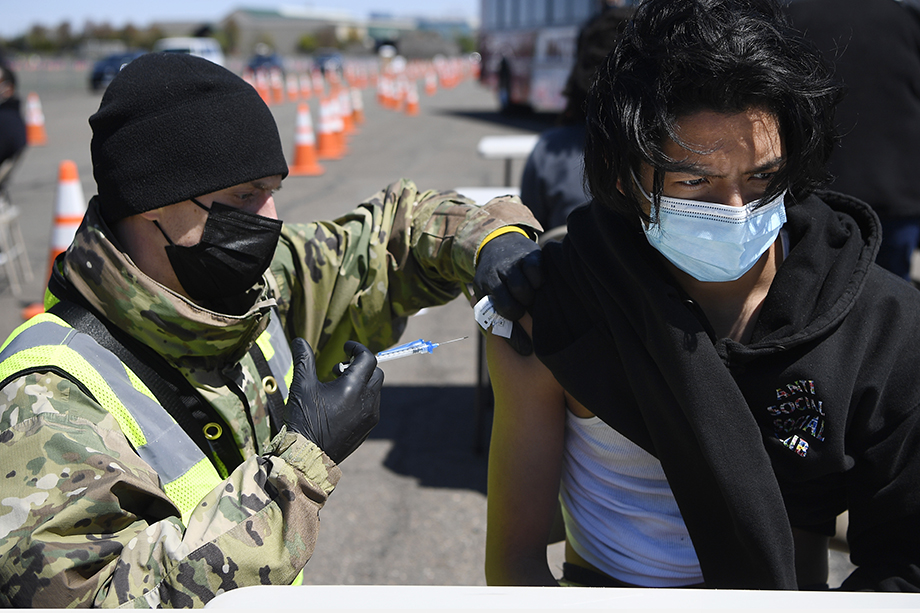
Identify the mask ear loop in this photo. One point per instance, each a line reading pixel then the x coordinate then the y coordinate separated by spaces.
pixel 635 179
pixel 654 220
pixel 169 240
pixel 166 236
pixel 201 206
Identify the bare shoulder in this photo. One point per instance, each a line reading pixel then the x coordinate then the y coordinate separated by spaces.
pixel 523 377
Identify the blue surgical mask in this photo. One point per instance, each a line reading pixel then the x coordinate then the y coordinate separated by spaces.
pixel 715 242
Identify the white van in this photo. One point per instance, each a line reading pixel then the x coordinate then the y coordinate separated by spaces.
pixel 208 48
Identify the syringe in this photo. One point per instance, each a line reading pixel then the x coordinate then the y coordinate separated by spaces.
pixel 419 346
pixel 401 351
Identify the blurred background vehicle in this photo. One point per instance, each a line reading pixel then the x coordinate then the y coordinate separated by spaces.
pixel 105 69
pixel 528 48
pixel 329 60
pixel 265 59
pixel 208 48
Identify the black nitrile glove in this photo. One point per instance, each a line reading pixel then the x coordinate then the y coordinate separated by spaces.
pixel 338 415
pixel 510 271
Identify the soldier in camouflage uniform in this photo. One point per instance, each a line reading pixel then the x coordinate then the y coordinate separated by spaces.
pixel 84 520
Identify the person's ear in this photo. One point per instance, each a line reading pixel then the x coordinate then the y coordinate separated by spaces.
pixel 153 214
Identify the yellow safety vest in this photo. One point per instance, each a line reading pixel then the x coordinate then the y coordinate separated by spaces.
pixel 46 342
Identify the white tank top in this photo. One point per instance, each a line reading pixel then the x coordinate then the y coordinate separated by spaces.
pixel 620 514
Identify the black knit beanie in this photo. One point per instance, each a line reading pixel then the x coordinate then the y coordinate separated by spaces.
pixel 172 127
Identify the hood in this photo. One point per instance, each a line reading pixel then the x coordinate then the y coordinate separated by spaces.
pixel 833 243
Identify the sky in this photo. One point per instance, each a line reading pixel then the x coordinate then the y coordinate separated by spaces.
pixel 17 16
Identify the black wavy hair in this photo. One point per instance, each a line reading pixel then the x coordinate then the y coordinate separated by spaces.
pixel 595 41
pixel 678 57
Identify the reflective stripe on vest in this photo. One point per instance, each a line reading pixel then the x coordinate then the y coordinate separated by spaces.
pixel 277 352
pixel 185 473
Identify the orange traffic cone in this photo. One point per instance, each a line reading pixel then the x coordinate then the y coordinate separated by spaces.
pixel 400 89
pixel 357 105
pixel 264 87
pixel 293 88
pixel 306 90
pixel 305 161
pixel 346 112
pixel 392 96
pixel 412 98
pixel 381 92
pixel 319 86
pixel 30 311
pixel 277 86
pixel 35 121
pixel 338 123
pixel 431 83
pixel 328 147
pixel 69 208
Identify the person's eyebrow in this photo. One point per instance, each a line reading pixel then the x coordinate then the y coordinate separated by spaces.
pixel 691 168
pixel 264 185
pixel 768 165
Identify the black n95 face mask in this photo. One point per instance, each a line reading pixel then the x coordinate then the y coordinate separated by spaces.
pixel 235 249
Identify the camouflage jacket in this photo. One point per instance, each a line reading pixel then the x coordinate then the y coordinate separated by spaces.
pixel 84 521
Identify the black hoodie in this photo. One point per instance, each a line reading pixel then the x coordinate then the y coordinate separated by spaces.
pixel 815 415
pixel 874 48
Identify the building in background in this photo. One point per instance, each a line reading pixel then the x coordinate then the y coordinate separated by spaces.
pixel 291 30
pixel 287 30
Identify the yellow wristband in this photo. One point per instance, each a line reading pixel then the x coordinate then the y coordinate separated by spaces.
pixel 498 232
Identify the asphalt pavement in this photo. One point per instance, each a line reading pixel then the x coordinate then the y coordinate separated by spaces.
pixel 411 506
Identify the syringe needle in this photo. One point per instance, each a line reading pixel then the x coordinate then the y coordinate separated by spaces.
pixel 452 341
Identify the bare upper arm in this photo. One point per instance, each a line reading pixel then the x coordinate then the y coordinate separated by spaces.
pixel 525 460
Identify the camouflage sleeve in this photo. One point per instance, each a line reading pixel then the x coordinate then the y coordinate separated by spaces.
pixel 360 276
pixel 83 521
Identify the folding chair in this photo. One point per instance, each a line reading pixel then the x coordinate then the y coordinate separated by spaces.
pixel 13 256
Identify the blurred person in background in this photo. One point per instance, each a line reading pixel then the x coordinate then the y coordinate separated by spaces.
pixel 874 48
pixel 553 180
pixel 12 126
pixel 167 432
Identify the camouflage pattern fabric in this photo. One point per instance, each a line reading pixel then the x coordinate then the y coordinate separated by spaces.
pixel 360 276
pixel 83 520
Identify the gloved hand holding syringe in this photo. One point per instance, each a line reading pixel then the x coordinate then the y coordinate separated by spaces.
pixel 401 351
